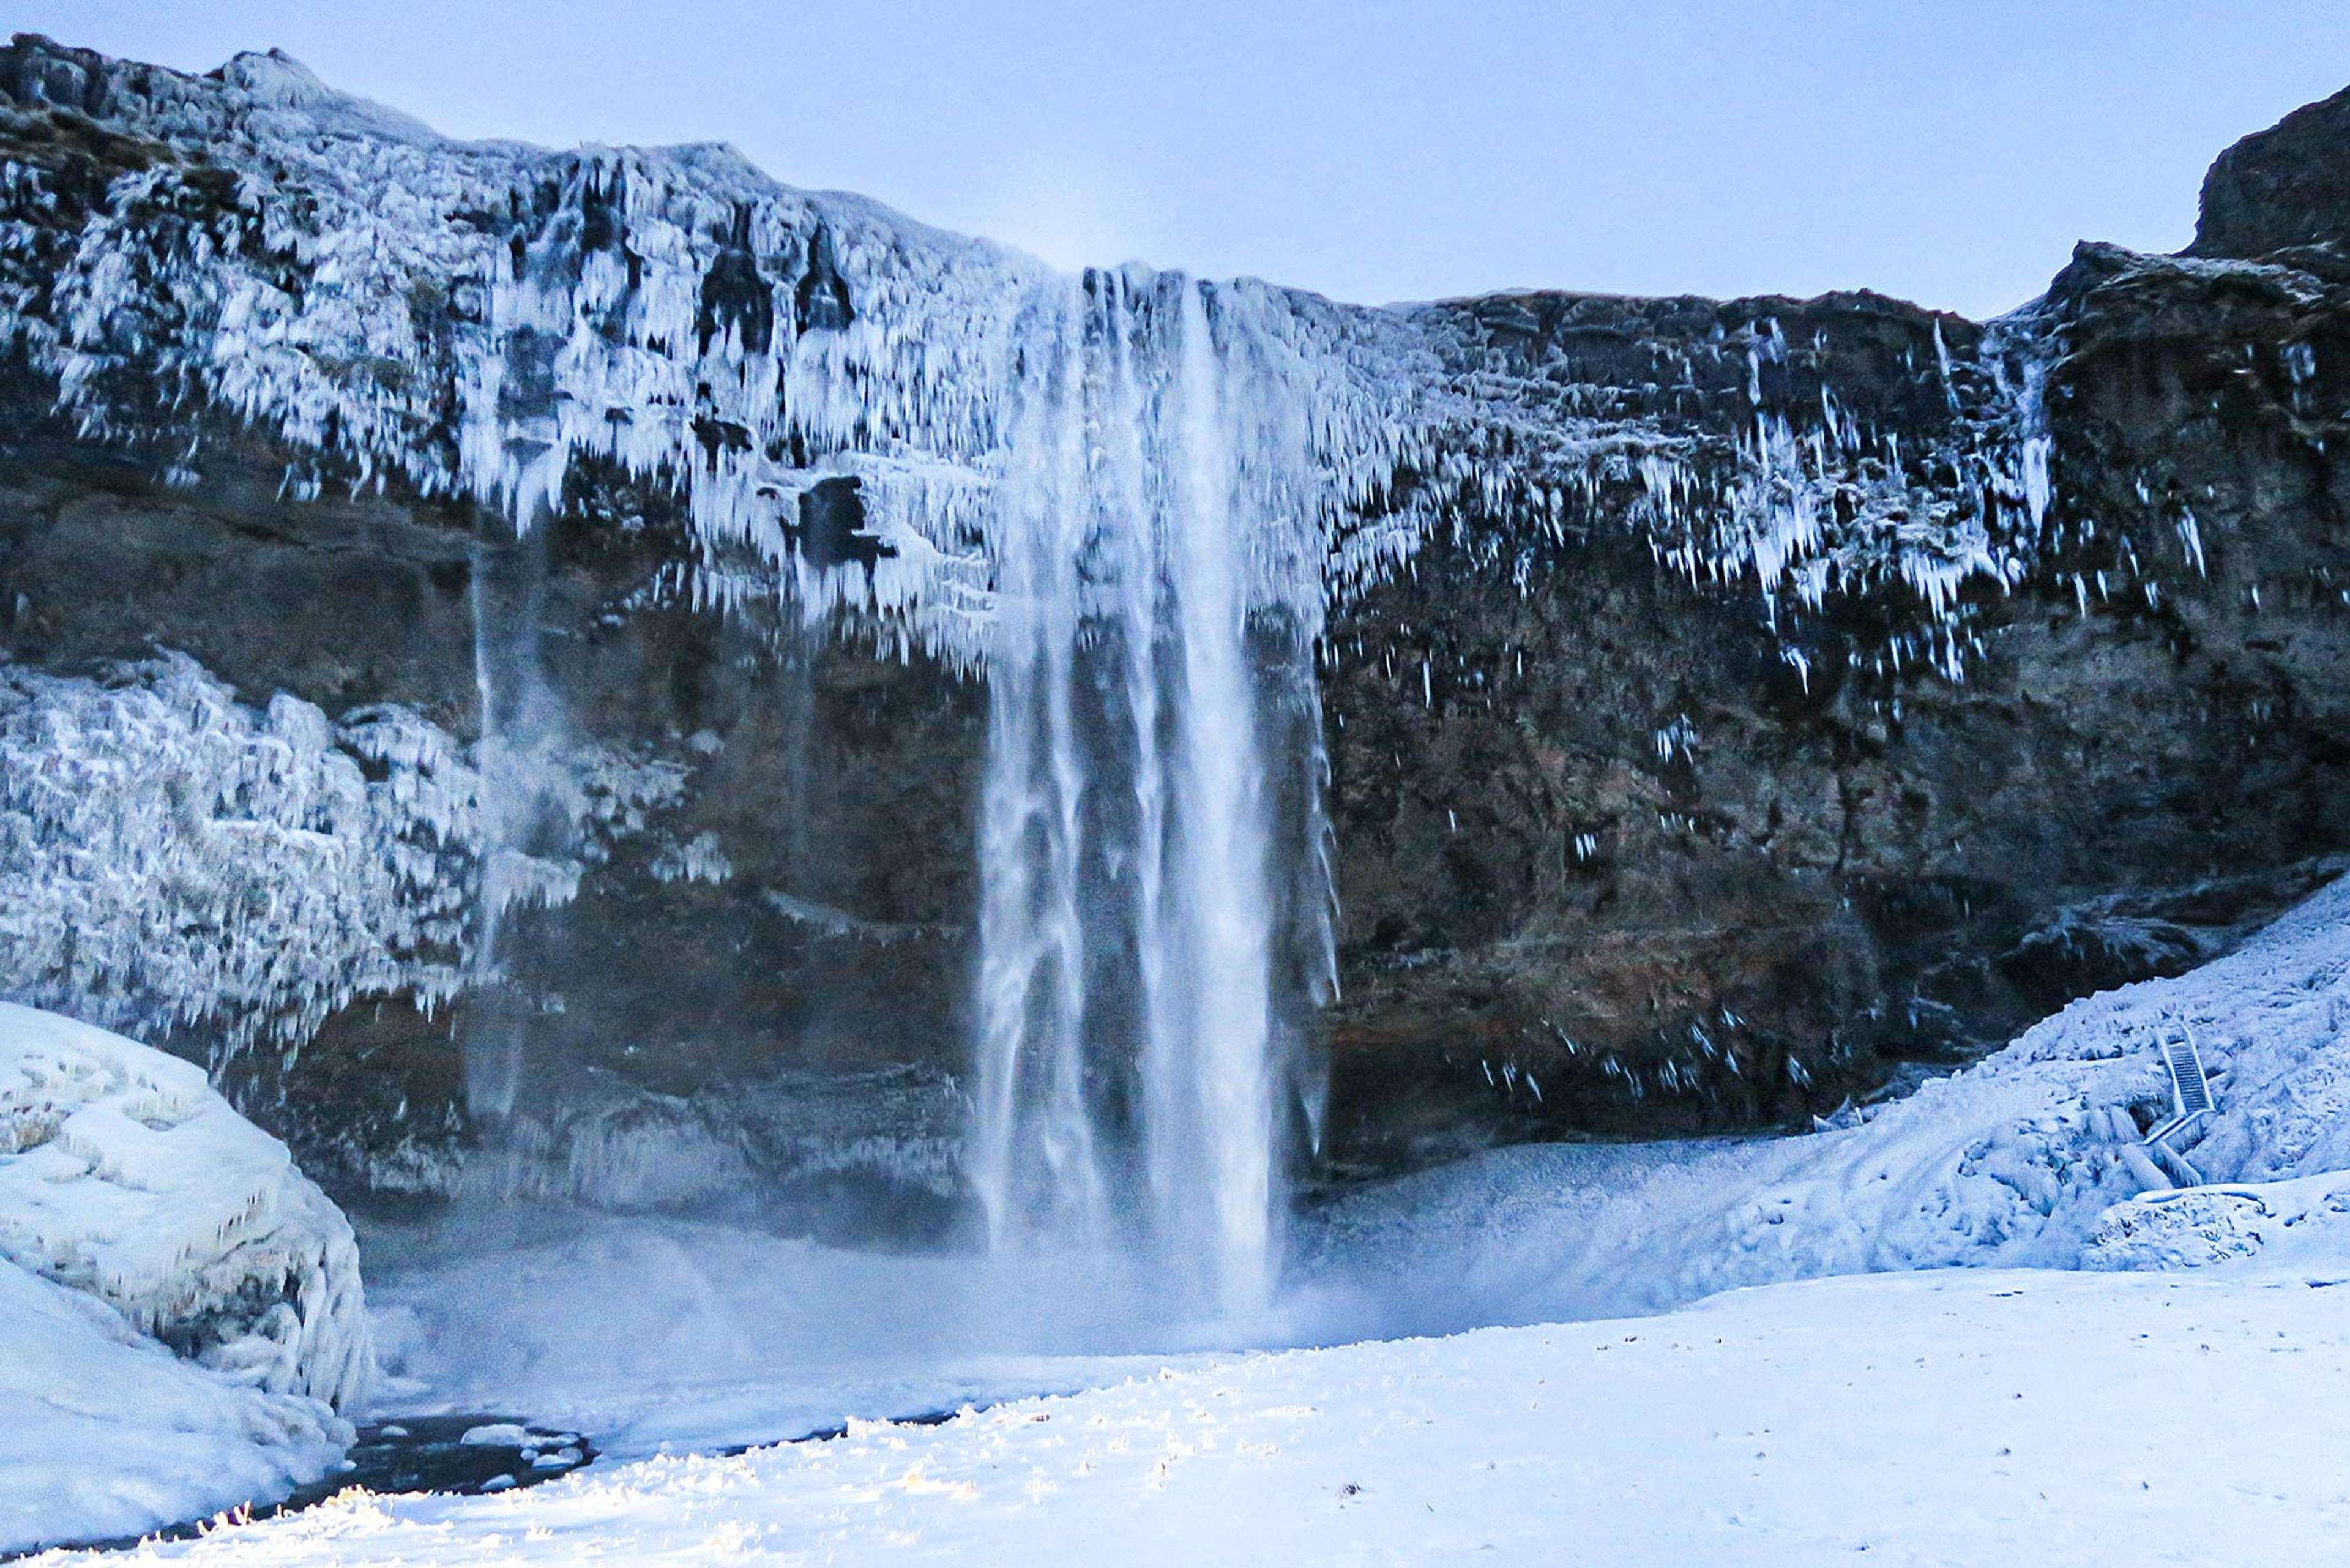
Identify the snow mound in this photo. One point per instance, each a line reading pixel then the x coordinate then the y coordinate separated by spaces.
pixel 104 1433
pixel 124 1176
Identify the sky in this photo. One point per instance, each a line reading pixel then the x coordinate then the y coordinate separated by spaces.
pixel 1948 152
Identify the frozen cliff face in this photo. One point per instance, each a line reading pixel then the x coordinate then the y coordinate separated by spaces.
pixel 1698 674
pixel 833 387
pixel 124 1176
pixel 830 386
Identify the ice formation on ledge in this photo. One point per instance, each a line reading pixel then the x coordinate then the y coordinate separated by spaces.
pixel 170 856
pixel 477 318
pixel 124 1176
pixel 834 389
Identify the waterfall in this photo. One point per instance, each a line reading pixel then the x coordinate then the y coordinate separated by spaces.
pixel 1138 837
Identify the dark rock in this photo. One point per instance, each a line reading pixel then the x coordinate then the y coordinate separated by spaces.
pixel 2283 187
pixel 821 295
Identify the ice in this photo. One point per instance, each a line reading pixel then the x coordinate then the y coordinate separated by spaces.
pixel 2017 1160
pixel 677 313
pixel 170 856
pixel 104 1433
pixel 504 1434
pixel 123 1175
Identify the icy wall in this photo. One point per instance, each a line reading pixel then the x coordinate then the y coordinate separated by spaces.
pixel 478 318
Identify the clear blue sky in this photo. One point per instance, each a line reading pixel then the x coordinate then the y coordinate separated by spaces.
pixel 1947 151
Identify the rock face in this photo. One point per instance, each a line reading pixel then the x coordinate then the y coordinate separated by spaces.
pixel 2285 189
pixel 1729 703
pixel 1600 836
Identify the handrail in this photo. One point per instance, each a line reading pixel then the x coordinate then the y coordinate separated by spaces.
pixel 2190 1099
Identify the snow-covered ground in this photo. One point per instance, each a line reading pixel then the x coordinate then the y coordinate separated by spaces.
pixel 2123 1377
pixel 1947 1417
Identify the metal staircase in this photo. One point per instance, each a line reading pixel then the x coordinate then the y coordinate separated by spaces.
pixel 2190 1101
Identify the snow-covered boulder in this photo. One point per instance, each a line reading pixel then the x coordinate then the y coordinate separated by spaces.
pixel 124 1176
pixel 104 1433
pixel 2304 1219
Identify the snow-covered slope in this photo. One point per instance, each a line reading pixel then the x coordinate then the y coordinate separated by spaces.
pixel 2015 1160
pixel 124 1176
pixel 104 1433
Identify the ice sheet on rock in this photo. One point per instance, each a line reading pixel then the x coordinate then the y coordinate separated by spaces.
pixel 172 857
pixel 104 1433
pixel 124 1176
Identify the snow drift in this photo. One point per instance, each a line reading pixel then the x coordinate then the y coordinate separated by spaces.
pixel 104 1433
pixel 122 1175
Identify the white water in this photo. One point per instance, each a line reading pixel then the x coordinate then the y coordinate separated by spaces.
pixel 1130 842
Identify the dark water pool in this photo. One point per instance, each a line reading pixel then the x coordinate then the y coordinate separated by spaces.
pixel 412 1454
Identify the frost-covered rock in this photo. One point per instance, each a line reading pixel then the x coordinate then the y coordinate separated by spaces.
pixel 122 1175
pixel 171 856
pixel 104 1433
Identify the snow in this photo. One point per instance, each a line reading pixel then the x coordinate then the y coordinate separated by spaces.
pixel 104 1433
pixel 657 1332
pixel 2015 1161
pixel 2304 1221
pixel 2009 1416
pixel 122 1175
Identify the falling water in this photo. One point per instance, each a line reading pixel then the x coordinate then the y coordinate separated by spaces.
pixel 1139 939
